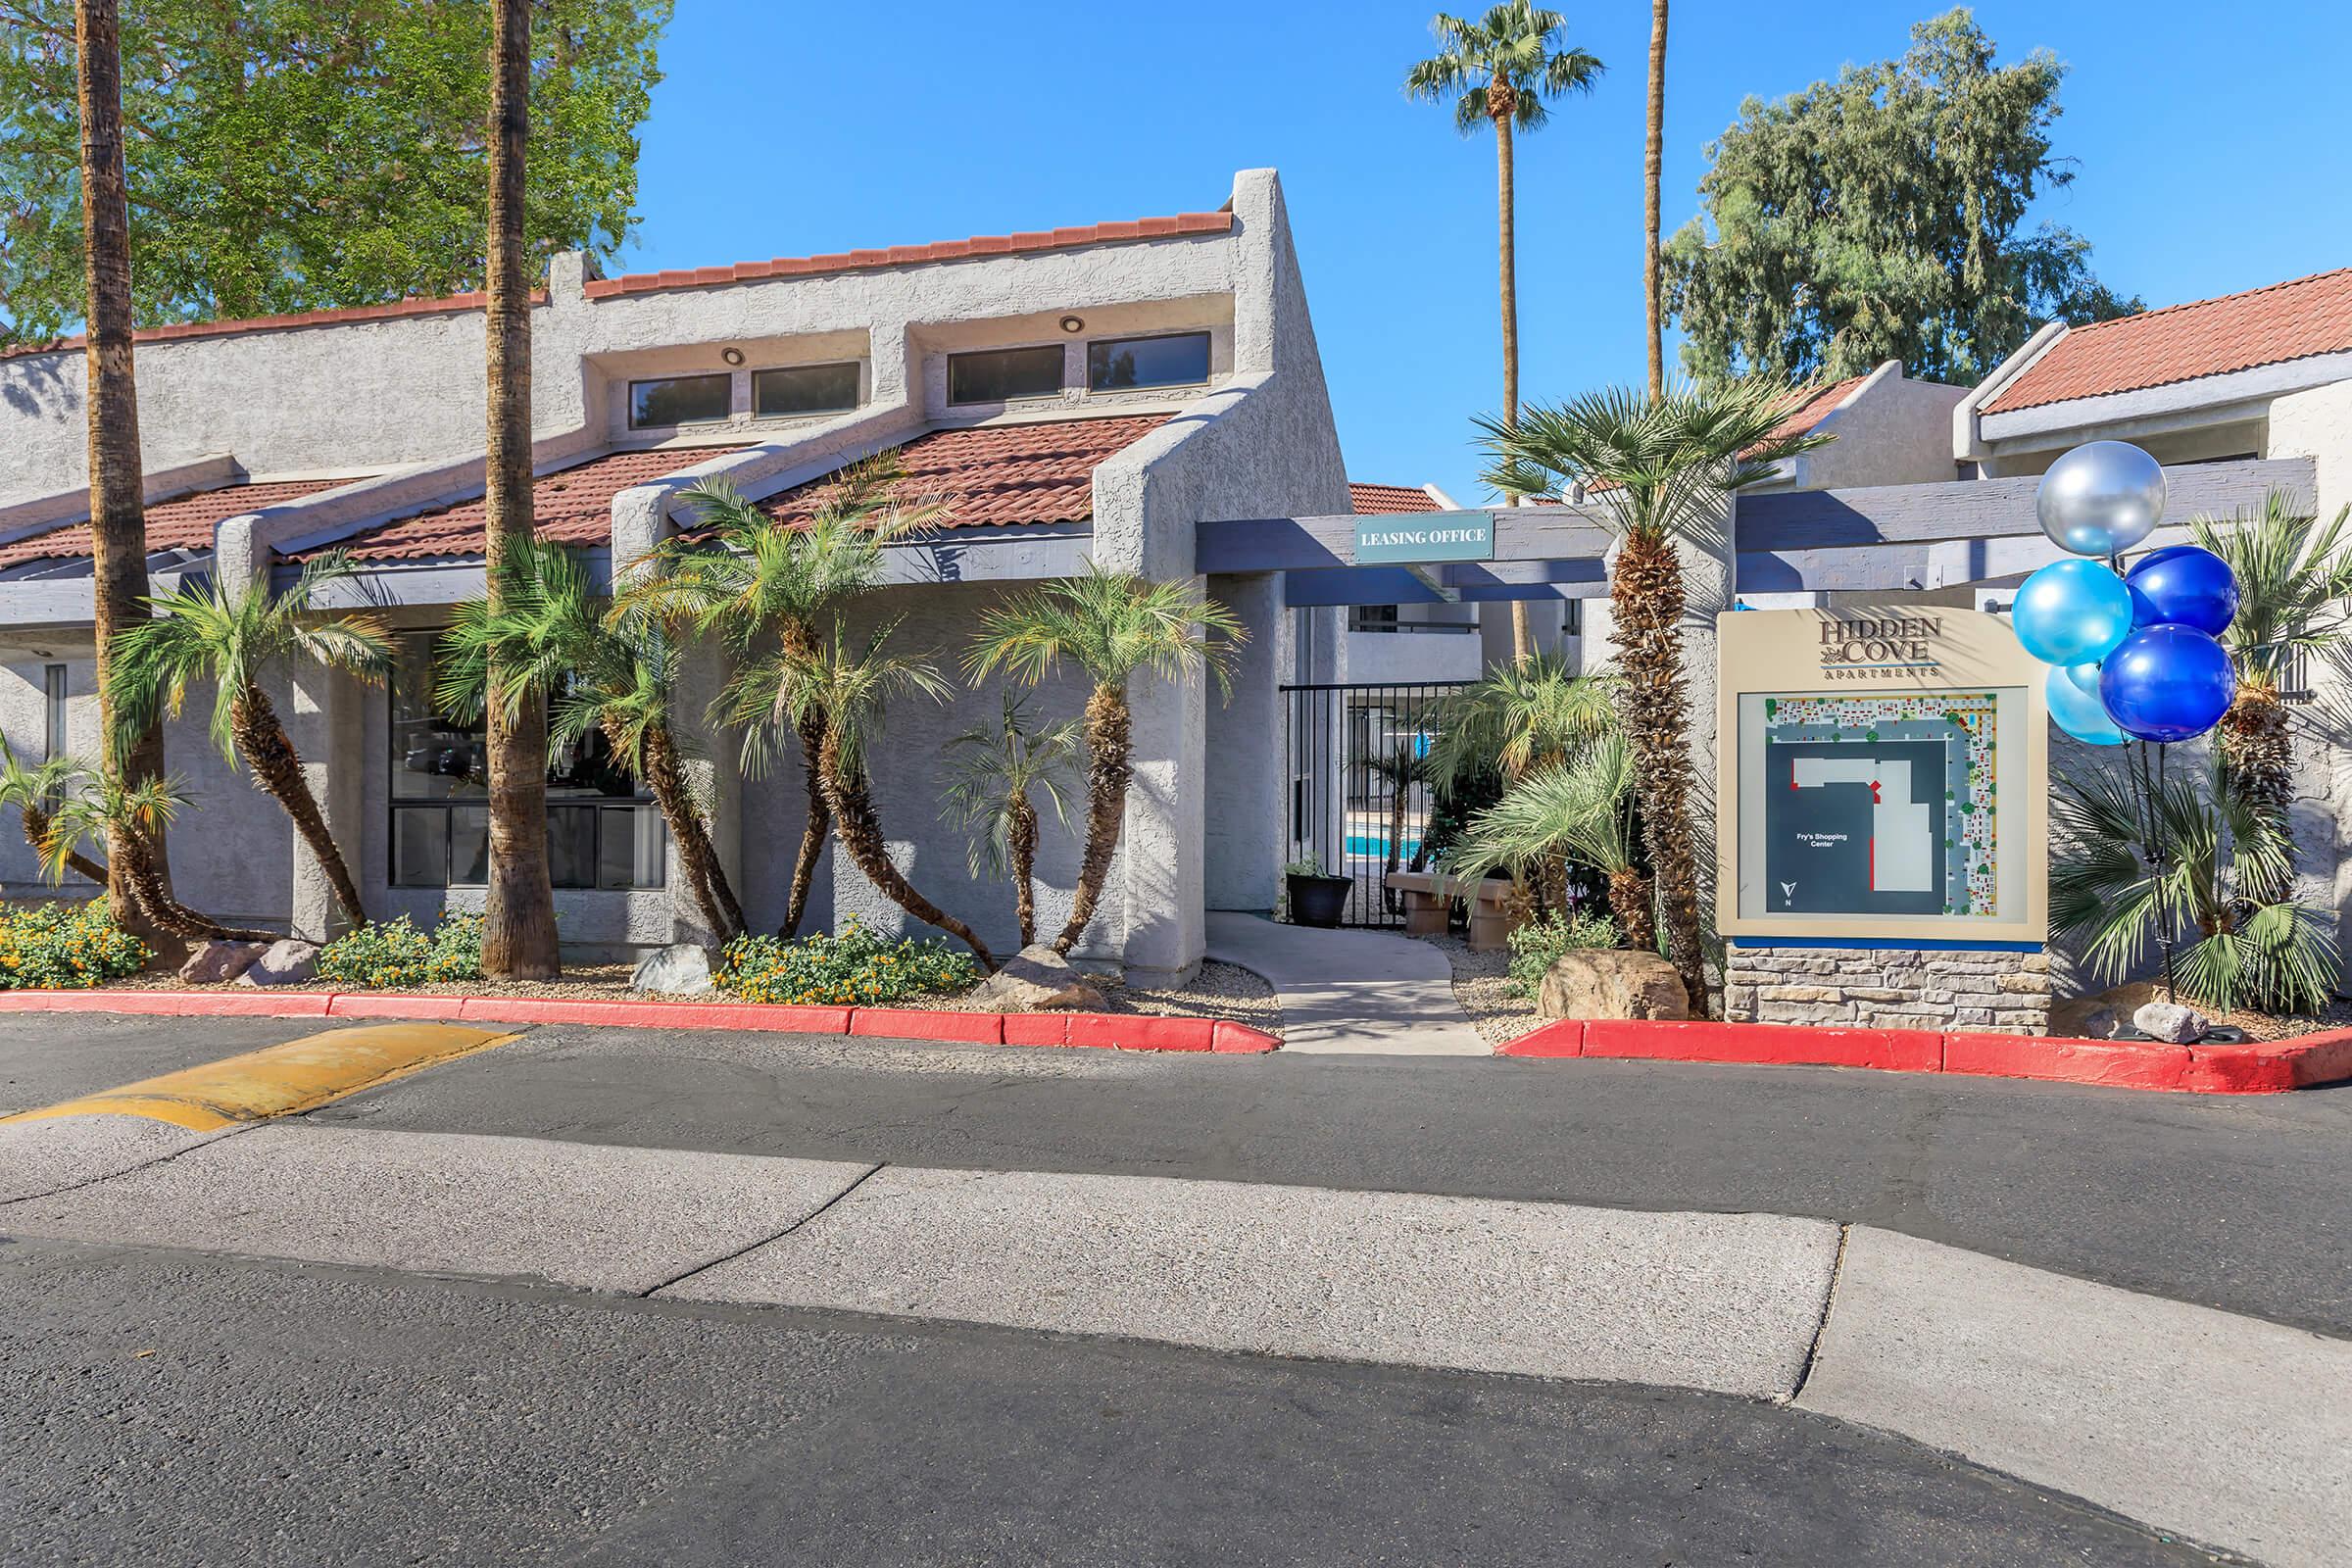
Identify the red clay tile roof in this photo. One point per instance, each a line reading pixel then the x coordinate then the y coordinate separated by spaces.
pixel 1373 500
pixel 183 522
pixel 2289 320
pixel 1817 407
pixel 999 474
pixel 570 506
pixel 270 323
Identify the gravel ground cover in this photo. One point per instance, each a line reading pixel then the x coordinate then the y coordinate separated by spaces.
pixel 1482 983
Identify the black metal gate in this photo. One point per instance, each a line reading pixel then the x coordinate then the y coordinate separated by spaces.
pixel 1356 809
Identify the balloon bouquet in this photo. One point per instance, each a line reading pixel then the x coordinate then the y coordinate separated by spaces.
pixel 2134 654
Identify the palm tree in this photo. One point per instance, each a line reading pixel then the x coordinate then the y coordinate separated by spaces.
pixel 1520 720
pixel 33 793
pixel 852 688
pixel 760 584
pixel 607 670
pixel 1111 624
pixel 2201 881
pixel 118 503
pixel 1660 469
pixel 519 911
pixel 1403 766
pixel 1654 157
pixel 204 632
pixel 992 771
pixel 131 817
pixel 1582 809
pixel 2294 578
pixel 1498 69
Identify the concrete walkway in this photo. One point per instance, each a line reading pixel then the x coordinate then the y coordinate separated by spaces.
pixel 1367 992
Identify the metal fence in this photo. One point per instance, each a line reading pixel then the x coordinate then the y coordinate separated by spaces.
pixel 1346 750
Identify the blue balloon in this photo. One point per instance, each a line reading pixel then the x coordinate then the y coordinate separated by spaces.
pixel 2183 585
pixel 2167 683
pixel 2074 706
pixel 2072 613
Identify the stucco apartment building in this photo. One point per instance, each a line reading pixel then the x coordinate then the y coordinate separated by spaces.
pixel 1087 392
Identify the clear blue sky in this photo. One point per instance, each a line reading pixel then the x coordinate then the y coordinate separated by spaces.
pixel 2210 149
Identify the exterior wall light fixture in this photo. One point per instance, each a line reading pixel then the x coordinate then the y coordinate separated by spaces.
pixel 731 356
pixel 1073 323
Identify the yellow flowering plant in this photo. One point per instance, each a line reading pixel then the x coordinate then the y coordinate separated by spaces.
pixel 857 968
pixel 64 945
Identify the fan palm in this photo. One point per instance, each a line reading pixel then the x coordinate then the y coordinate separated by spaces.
pixel 760 584
pixel 851 688
pixel 2110 888
pixel 232 640
pixel 1403 766
pixel 1660 469
pixel 2294 578
pixel 1582 809
pixel 1111 624
pixel 1497 71
pixel 992 770
pixel 33 793
pixel 603 670
pixel 1520 718
pixel 130 818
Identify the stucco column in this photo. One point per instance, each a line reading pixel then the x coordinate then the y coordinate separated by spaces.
pixel 325 714
pixel 1245 827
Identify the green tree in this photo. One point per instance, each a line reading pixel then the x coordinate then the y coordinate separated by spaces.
pixel 79 804
pixel 231 641
pixel 993 770
pixel 1112 626
pixel 292 155
pixel 1879 217
pixel 1403 767
pixel 1497 71
pixel 1582 809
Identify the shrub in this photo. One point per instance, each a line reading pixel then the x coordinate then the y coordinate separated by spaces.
pixel 1534 944
pixel 857 968
pixel 65 946
pixel 389 953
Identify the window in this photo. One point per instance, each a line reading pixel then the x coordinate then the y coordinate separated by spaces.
pixel 999 375
pixel 53 711
pixel 1117 364
pixel 680 400
pixel 805 389
pixel 1576 618
pixel 602 830
pixel 1372 618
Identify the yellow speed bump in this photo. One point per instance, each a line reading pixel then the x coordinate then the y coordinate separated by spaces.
pixel 277 1080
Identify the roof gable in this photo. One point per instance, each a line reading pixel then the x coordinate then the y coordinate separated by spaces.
pixel 1376 500
pixel 183 522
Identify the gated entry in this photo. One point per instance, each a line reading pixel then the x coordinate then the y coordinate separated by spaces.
pixel 1357 808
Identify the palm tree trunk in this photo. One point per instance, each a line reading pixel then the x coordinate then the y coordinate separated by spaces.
pixel 820 820
pixel 862 835
pixel 1108 732
pixel 1645 594
pixel 1653 155
pixel 2258 761
pixel 260 739
pixel 1390 898
pixel 135 858
pixel 698 856
pixel 519 911
pixel 1020 848
pixel 1629 901
pixel 1500 103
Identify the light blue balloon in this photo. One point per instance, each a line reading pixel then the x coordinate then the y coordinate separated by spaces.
pixel 2076 707
pixel 2072 613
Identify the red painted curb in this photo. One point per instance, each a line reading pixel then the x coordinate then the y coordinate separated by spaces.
pixel 258 1003
pixel 1565 1037
pixel 2117 1063
pixel 1896 1049
pixel 1229 1038
pixel 913 1023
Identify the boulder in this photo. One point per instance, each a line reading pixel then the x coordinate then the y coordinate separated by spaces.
pixel 681 969
pixel 1035 978
pixel 2085 1018
pixel 2170 1021
pixel 288 961
pixel 1611 983
pixel 215 964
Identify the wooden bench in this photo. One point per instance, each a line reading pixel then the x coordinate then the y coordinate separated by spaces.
pixel 1428 897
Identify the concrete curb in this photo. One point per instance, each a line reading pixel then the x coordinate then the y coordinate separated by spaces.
pixel 2258 1067
pixel 1097 1030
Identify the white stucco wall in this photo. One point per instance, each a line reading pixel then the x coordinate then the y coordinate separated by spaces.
pixel 1890 430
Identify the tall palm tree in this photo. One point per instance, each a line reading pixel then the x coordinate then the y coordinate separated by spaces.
pixel 232 641
pixel 1580 809
pixel 2294 577
pixel 853 687
pixel 1661 469
pixel 519 911
pixel 992 770
pixel 605 670
pixel 117 487
pixel 762 585
pixel 1497 71
pixel 1653 157
pixel 1111 624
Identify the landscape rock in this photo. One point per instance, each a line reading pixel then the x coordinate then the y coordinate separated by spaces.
pixel 681 969
pixel 2170 1021
pixel 1611 983
pixel 2085 1018
pixel 1034 978
pixel 216 963
pixel 288 961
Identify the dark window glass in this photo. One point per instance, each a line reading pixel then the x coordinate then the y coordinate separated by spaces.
pixel 630 843
pixel 805 389
pixel 571 846
pixel 1576 618
pixel 53 713
pixel 1372 618
pixel 419 847
pixel 1118 362
pixel 999 375
pixel 468 846
pixel 679 399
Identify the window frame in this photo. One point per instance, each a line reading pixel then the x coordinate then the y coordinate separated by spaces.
pixel 1208 366
pixel 1061 383
pixel 56 694
pixel 856 368
pixel 725 377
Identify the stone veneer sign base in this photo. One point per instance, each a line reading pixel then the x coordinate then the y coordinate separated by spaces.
pixel 1952 987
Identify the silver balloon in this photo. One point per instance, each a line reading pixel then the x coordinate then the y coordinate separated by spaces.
pixel 2100 499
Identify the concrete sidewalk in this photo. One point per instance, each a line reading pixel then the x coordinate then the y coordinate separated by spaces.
pixel 1366 991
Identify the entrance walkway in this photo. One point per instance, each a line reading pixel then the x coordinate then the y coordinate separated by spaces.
pixel 1368 992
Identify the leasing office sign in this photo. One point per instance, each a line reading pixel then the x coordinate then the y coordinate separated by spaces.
pixel 1396 538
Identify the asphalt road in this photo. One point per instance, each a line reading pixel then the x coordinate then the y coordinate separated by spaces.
pixel 156 1407
pixel 2227 1201
pixel 49 1056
